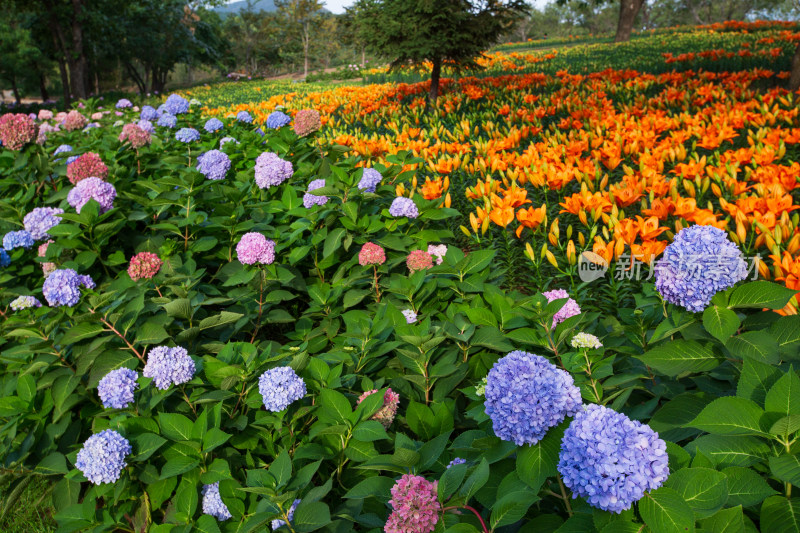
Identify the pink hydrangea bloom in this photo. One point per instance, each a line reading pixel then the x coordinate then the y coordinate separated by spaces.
pixel 75 121
pixel 44 129
pixel 47 268
pixel 45 114
pixel 371 254
pixel 438 251
pixel 134 135
pixel 385 415
pixel 144 265
pixel 306 121
pixel 97 116
pixel 416 506
pixel 419 260
pixel 89 165
pixel 255 248
pixel 16 130
pixel 571 308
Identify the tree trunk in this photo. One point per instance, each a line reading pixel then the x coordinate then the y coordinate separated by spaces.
pixel 628 10
pixel 305 50
pixel 794 79
pixel 43 87
pixel 436 74
pixel 60 46
pixel 78 72
pixel 15 89
pixel 363 57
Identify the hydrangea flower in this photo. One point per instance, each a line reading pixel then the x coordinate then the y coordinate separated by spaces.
pixel 307 121
pixel 610 459
pixel 176 104
pixel 44 130
pixel 25 302
pixel 225 140
pixel 116 388
pixel 97 116
pixel 410 315
pixel 255 248
pixel 214 164
pixel 271 170
pixel 144 265
pixel 415 505
pixel 456 461
pixel 278 119
pixel 571 308
pixel 92 189
pixel 310 200
pixel 123 103
pixel 17 239
pixel 370 180
pixel 147 126
pixel 212 125
pixel 480 388
pixel 290 515
pixel 75 121
pixel 187 135
pixel 5 260
pixel 403 207
pixel 102 458
pixel 41 219
pixel 700 262
pixel 45 114
pixel 168 366
pixel 16 130
pixel 244 116
pixel 88 165
pixel 47 268
pixel 62 287
pixel 279 387
pixel 135 135
pixel 61 149
pixel 194 101
pixel 371 254
pixel 167 121
pixel 385 415
pixel 585 340
pixel 213 504
pixel 526 395
pixel 438 251
pixel 148 113
pixel 419 260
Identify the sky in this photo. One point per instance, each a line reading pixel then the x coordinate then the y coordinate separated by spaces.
pixel 337 6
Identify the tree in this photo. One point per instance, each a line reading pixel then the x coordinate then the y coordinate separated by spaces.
pixel 436 31
pixel 301 14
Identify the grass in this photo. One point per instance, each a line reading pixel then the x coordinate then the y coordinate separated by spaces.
pixel 32 513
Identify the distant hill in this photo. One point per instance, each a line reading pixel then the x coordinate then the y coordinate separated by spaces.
pixel 235 7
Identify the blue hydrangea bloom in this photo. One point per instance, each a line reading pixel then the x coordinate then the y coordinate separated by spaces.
pixel 148 113
pixel 456 461
pixel 25 302
pixel 278 119
pixel 167 121
pixel 279 387
pixel 123 103
pixel 403 207
pixel 310 200
pixel 700 262
pixel 370 180
pixel 41 219
pixel 271 170
pixel 176 104
pixel 61 149
pixel 225 140
pixel 610 459
pixel 278 523
pixel 162 109
pixel 214 164
pixel 212 125
pixel 169 365
pixel 187 135
pixel 213 504
pixel 526 395
pixel 102 457
pixel 244 116
pixel 147 126
pixel 17 239
pixel 62 287
pixel 116 388
pixel 5 260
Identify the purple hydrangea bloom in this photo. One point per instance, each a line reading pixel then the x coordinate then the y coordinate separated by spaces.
pixel 456 461
pixel 571 308
pixel 187 135
pixel 148 113
pixel 168 365
pixel 61 149
pixel 225 140
pixel 310 200
pixel 212 125
pixel 92 189
pixel 25 302
pixel 213 504
pixel 255 248
pixel 62 287
pixel 610 459
pixel 271 170
pixel 526 395
pixel 278 119
pixel 370 180
pixel 102 458
pixel 176 104
pixel 244 116
pixel 279 387
pixel 278 523
pixel 17 239
pixel 700 262
pixel 147 126
pixel 410 315
pixel 167 121
pixel 116 388
pixel 5 260
pixel 123 103
pixel 41 219
pixel 214 164
pixel 403 207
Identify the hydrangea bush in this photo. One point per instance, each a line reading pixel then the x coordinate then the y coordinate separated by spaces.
pixel 260 334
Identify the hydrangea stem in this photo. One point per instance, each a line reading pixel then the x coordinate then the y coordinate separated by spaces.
pixel 473 511
pixel 564 495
